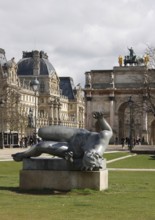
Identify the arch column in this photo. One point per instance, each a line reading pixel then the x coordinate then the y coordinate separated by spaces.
pixel 145 123
pixel 88 118
pixel 112 98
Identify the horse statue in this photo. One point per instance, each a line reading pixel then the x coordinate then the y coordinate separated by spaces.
pixel 132 59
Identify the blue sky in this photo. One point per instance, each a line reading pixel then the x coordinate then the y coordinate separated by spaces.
pixel 78 36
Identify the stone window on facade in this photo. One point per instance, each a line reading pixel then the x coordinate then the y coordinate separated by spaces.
pixel 42 113
pixel 42 100
pixel 42 87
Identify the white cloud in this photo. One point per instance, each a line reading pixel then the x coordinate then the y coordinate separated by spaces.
pixel 77 35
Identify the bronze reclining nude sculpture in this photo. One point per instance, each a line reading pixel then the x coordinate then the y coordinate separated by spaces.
pixel 72 144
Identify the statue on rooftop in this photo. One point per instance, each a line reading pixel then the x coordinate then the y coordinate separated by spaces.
pixel 131 58
pixel 132 53
pixel 120 60
pixel 146 59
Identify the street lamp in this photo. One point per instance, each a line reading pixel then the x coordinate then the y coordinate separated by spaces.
pixel 2 103
pixel 130 104
pixel 35 86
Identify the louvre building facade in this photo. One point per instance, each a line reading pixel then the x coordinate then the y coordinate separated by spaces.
pixel 23 110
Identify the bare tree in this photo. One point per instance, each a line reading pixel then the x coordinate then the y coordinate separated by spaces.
pixel 145 83
pixel 148 89
pixel 11 115
pixel 150 50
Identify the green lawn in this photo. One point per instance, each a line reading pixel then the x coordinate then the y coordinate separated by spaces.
pixel 131 195
pixel 138 161
pixel 111 156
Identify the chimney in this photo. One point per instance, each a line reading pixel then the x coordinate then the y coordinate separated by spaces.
pixel 36 63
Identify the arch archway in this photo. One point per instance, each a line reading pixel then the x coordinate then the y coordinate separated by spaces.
pixel 122 133
pixel 152 138
pixel 130 120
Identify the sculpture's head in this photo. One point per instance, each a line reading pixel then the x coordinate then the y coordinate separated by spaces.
pixel 91 160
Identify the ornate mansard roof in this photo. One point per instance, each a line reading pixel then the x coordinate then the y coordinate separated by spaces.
pixel 29 59
pixel 67 87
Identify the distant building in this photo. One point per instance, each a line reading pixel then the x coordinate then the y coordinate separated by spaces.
pixel 121 94
pixel 58 101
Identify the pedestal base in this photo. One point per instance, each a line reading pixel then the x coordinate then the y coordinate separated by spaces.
pixel 62 179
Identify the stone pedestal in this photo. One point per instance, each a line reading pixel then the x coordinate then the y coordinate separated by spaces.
pixel 59 174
